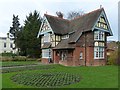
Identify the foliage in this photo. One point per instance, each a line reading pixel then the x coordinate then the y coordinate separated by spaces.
pixel 30 44
pixel 16 58
pixel 74 14
pixel 8 54
pixel 15 29
pixel 59 14
pixel 113 58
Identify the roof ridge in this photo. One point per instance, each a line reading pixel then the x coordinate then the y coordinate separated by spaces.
pixel 87 13
pixel 57 17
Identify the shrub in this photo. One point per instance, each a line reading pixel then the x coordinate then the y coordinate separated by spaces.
pixel 19 58
pixel 8 54
pixel 113 58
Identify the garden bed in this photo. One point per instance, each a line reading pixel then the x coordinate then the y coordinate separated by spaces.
pixel 46 79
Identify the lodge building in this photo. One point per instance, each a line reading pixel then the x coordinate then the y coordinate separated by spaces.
pixel 81 41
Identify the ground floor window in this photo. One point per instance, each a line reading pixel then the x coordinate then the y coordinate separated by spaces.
pixel 81 55
pixel 63 56
pixel 46 53
pixel 98 52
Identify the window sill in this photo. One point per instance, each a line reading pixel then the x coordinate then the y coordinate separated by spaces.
pixel 99 58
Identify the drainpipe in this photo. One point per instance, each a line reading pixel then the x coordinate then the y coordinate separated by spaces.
pixel 85 46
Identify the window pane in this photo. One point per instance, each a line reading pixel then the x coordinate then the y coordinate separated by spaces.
pixel 4 45
pixel 98 35
pixel 98 52
pixel 46 53
pixel 11 45
pixel 47 38
pixel 81 55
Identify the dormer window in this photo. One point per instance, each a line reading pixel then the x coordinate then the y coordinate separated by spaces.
pixel 65 36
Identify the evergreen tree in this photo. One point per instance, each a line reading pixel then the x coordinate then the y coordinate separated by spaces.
pixel 30 31
pixel 15 29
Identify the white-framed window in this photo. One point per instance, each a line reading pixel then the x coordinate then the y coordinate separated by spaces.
pixel 65 36
pixel 99 35
pixel 46 37
pixel 99 44
pixel 98 52
pixel 46 53
pixel 81 55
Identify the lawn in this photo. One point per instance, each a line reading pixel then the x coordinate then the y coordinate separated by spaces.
pixel 18 63
pixel 58 76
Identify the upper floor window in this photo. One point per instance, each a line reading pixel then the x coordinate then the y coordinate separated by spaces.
pixel 99 35
pixel 65 36
pixel 46 37
pixel 102 44
pixel 4 45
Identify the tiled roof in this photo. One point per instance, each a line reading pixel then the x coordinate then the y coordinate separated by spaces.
pixel 58 25
pixel 78 25
pixel 65 45
pixel 46 45
pixel 84 23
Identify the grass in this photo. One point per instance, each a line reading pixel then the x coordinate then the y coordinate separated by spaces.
pixel 90 77
pixel 18 63
pixel 18 69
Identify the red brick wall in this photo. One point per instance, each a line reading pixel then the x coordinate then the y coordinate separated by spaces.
pixel 56 57
pixel 90 61
pixel 45 60
pixel 75 61
pixel 66 62
pixel 69 59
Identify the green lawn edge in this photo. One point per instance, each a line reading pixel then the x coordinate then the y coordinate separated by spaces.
pixel 89 74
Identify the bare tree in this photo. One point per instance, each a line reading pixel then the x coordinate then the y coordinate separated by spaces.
pixel 59 14
pixel 73 14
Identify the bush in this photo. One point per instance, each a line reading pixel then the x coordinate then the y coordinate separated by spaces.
pixel 8 54
pixel 6 58
pixel 113 58
pixel 19 58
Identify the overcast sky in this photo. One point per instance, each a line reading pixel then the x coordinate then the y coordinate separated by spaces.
pixel 24 7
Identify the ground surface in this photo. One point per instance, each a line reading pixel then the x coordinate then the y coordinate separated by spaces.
pixel 60 76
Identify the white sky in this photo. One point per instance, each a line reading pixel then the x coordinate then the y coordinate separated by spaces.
pixel 24 7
